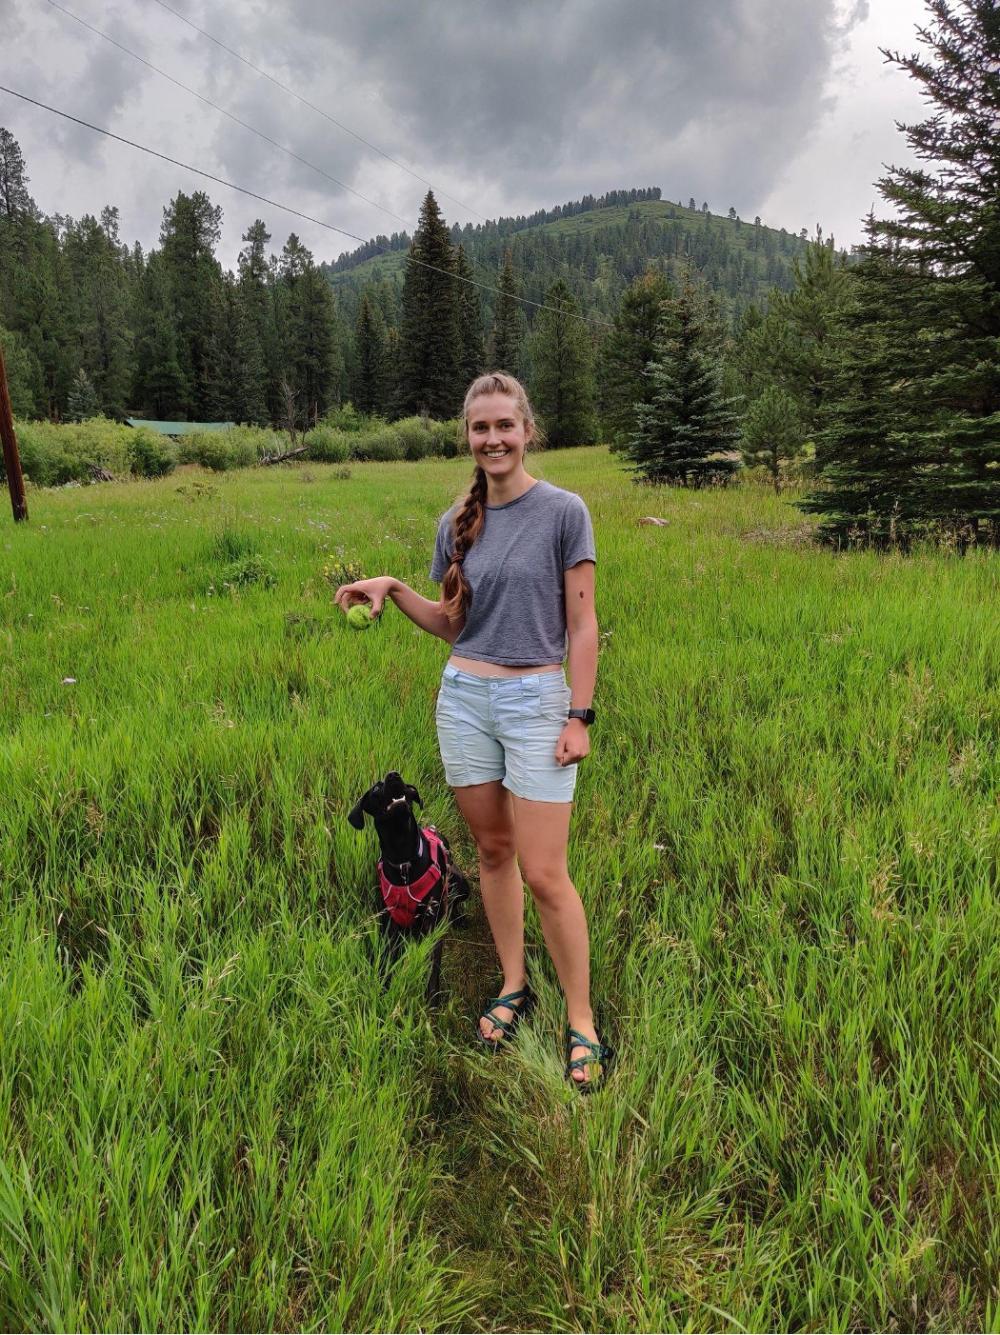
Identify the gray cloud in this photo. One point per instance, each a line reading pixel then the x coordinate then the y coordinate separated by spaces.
pixel 507 107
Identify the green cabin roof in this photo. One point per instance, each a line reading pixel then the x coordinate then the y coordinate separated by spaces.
pixel 178 428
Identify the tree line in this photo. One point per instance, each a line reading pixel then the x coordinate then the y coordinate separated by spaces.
pixel 879 377
pixel 886 372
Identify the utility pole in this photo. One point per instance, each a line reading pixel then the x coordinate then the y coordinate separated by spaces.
pixel 11 458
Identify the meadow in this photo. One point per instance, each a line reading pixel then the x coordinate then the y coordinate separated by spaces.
pixel 214 1114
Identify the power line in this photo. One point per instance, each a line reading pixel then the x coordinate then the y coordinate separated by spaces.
pixel 286 208
pixel 319 110
pixel 215 107
pixel 174 162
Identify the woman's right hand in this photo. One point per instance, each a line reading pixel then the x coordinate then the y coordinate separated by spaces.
pixel 374 591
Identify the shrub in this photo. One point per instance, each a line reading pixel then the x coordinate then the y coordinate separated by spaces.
pixel 449 437
pixel 151 455
pixel 239 447
pixel 328 445
pixel 350 419
pixel 381 446
pixel 53 454
pixel 418 440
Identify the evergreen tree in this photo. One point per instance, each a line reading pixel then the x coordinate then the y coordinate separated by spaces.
pixel 245 377
pixel 15 202
pixel 254 331
pixel 370 374
pixel 472 358
pixel 160 385
pixel 792 345
pixel 101 308
pixel 875 467
pixel 562 386
pixel 189 234
pixel 773 434
pixel 82 402
pixel 310 337
pixel 910 433
pixel 510 328
pixel 22 373
pixel 430 350
pixel 686 428
pixel 627 351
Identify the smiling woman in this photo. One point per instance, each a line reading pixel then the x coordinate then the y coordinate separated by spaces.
pixel 516 559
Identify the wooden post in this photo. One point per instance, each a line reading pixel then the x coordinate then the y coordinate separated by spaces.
pixel 11 458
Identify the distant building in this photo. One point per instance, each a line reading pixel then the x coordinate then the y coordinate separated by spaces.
pixel 178 428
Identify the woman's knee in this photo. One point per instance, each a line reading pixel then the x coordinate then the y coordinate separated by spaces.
pixel 496 851
pixel 549 884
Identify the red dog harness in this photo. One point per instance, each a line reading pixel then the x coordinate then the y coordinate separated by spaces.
pixel 405 902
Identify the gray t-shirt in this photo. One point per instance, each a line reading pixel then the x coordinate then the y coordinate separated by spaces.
pixel 515 571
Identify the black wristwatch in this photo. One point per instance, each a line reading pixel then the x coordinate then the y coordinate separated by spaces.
pixel 587 715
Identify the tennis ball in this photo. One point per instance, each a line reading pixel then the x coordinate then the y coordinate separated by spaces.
pixel 359 617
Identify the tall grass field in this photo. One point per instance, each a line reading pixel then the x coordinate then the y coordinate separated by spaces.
pixel 215 1114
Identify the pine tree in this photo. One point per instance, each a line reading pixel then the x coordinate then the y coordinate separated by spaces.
pixel 562 385
pixel 312 361
pixel 875 465
pixel 773 434
pixel 686 428
pixel 509 325
pixel 910 434
pixel 370 373
pixel 627 351
pixel 15 202
pixel 188 236
pixel 243 360
pixel 429 337
pixel 253 337
pixel 23 373
pixel 101 301
pixel 472 358
pixel 792 345
pixel 160 386
pixel 82 402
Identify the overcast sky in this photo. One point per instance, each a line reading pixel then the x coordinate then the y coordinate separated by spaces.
pixel 779 107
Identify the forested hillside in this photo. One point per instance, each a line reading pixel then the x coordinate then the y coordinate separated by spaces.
pixel 91 324
pixel 597 250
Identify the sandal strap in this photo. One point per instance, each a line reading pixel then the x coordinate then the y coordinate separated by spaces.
pixel 508 1026
pixel 597 1053
pixel 505 1025
pixel 581 1063
pixel 579 1041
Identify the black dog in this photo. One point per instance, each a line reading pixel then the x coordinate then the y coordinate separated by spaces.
pixel 419 885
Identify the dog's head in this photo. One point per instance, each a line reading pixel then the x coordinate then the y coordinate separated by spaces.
pixel 383 801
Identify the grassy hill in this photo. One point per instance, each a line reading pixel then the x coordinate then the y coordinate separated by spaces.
pixel 600 250
pixel 215 1115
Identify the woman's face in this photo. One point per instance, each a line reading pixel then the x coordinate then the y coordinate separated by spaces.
pixel 497 434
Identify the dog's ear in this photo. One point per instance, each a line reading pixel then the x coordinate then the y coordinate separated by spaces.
pixel 356 815
pixel 413 795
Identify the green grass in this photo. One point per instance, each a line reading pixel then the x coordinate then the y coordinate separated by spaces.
pixel 214 1114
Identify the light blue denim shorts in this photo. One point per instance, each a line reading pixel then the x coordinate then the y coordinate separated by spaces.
pixel 505 728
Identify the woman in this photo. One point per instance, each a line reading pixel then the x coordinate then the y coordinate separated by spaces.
pixel 517 559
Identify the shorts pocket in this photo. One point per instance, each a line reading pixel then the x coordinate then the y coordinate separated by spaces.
pixel 553 703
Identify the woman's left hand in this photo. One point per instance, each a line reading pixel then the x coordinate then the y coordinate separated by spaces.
pixel 573 743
